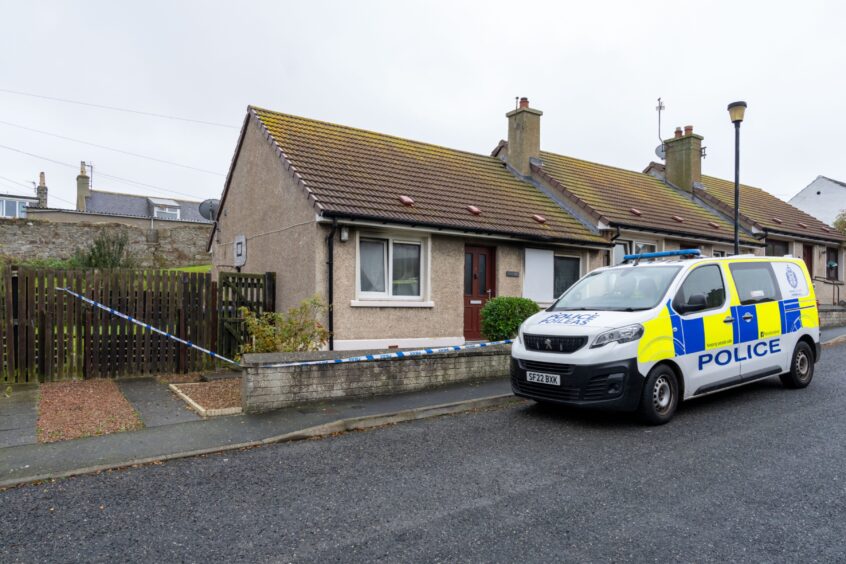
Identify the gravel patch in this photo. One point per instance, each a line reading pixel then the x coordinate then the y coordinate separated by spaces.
pixel 221 394
pixel 70 410
pixel 179 378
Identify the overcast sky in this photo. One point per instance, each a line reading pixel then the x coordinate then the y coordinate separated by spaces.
pixel 441 72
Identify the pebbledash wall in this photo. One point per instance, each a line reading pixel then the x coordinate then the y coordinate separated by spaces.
pixel 264 387
pixel 26 239
pixel 832 316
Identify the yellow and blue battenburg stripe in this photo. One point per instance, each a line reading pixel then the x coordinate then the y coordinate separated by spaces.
pixel 768 319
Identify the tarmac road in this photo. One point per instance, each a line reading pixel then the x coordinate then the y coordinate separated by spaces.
pixel 755 474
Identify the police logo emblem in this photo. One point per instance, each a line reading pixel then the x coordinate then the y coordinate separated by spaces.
pixel 791 277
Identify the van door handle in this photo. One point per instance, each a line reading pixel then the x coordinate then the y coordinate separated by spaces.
pixel 728 319
pixel 747 317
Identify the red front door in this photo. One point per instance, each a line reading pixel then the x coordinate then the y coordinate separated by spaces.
pixel 808 257
pixel 479 287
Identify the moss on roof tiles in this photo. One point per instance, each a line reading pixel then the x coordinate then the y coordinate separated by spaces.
pixel 762 207
pixel 359 172
pixel 613 191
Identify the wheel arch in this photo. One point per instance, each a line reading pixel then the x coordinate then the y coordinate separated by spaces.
pixel 810 342
pixel 677 371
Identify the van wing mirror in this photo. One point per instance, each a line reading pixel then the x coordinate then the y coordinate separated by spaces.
pixel 696 302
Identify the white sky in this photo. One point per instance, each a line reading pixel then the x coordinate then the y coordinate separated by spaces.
pixel 442 72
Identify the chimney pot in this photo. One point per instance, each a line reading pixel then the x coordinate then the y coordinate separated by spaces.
pixel 524 102
pixel 678 132
pixel 41 191
pixel 688 129
pixel 41 179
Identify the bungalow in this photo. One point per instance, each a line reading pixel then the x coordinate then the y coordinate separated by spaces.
pixel 783 228
pixel 408 240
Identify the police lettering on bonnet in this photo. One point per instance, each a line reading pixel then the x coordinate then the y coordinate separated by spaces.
pixel 667 327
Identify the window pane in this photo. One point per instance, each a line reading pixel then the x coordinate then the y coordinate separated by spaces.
pixel 468 274
pixel 831 263
pixel 21 209
pixel 406 269
pixel 483 274
pixel 372 258
pixel 644 248
pixel 777 249
pixel 11 208
pixel 566 274
pixel 705 281
pixel 620 250
pixel 755 282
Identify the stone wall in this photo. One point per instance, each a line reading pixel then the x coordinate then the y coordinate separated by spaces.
pixel 832 316
pixel 264 388
pixel 27 239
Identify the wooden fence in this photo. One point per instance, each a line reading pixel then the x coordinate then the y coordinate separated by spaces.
pixel 46 334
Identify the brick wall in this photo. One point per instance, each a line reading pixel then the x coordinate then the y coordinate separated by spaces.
pixel 22 239
pixel 264 388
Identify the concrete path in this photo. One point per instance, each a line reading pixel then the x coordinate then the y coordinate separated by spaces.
pixel 155 403
pixel 26 463
pixel 832 333
pixel 18 416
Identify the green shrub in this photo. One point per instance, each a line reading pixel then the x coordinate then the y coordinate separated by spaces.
pixel 502 316
pixel 298 330
pixel 840 222
pixel 108 250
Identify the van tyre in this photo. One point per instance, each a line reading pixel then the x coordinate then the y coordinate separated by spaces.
pixel 801 367
pixel 660 396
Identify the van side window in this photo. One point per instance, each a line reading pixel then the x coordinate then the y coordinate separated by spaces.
pixel 755 282
pixel 703 289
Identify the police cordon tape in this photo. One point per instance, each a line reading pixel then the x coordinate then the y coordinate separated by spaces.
pixel 147 326
pixel 362 358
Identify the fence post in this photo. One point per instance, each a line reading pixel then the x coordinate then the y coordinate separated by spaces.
pixel 269 291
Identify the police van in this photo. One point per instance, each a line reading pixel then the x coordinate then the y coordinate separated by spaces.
pixel 666 327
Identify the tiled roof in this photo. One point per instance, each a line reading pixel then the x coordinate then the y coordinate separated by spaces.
pixel 634 199
pixel 113 203
pixel 769 211
pixel 357 173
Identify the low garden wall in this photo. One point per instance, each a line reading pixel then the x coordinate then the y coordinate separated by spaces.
pixel 264 387
pixel 832 316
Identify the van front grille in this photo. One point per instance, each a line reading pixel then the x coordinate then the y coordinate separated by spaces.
pixel 550 343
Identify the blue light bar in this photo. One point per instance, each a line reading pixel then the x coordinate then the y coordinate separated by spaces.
pixel 681 253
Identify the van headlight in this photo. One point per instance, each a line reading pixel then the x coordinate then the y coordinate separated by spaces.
pixel 625 334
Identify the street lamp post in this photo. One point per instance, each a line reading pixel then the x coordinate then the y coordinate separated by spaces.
pixel 736 111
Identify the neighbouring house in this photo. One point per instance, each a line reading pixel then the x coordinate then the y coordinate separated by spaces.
pixel 162 232
pixel 783 228
pixel 100 206
pixel 408 240
pixel 824 198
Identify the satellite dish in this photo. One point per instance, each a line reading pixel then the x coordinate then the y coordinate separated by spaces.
pixel 209 209
pixel 659 151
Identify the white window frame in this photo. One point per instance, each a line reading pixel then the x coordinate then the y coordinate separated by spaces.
pixel 168 210
pixel 386 298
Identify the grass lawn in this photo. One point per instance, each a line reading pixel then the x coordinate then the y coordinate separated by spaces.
pixel 201 268
pixel 83 408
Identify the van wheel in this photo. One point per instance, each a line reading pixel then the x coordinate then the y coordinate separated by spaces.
pixel 660 396
pixel 801 367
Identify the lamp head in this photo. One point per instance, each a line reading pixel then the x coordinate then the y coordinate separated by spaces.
pixel 736 111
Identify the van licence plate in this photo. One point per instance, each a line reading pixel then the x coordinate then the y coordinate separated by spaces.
pixel 541 378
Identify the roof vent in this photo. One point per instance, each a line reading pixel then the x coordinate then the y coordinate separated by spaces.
pixel 474 210
pixel 636 212
pixel 406 201
pixel 803 225
pixel 679 219
pixel 539 218
pixel 777 220
pixel 714 225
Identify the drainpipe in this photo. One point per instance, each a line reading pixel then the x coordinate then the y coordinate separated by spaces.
pixel 330 279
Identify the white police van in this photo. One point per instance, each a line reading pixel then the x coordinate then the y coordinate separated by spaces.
pixel 645 335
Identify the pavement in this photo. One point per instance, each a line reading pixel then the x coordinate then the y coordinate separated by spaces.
pixel 165 439
pixel 173 431
pixel 754 474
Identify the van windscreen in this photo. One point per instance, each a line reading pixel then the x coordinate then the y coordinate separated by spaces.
pixel 619 289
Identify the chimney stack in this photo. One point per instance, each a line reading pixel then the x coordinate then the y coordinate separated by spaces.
pixel 683 167
pixel 41 191
pixel 523 137
pixel 83 187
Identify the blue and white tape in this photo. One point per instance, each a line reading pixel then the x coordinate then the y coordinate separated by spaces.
pixel 362 358
pixel 387 356
pixel 147 326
